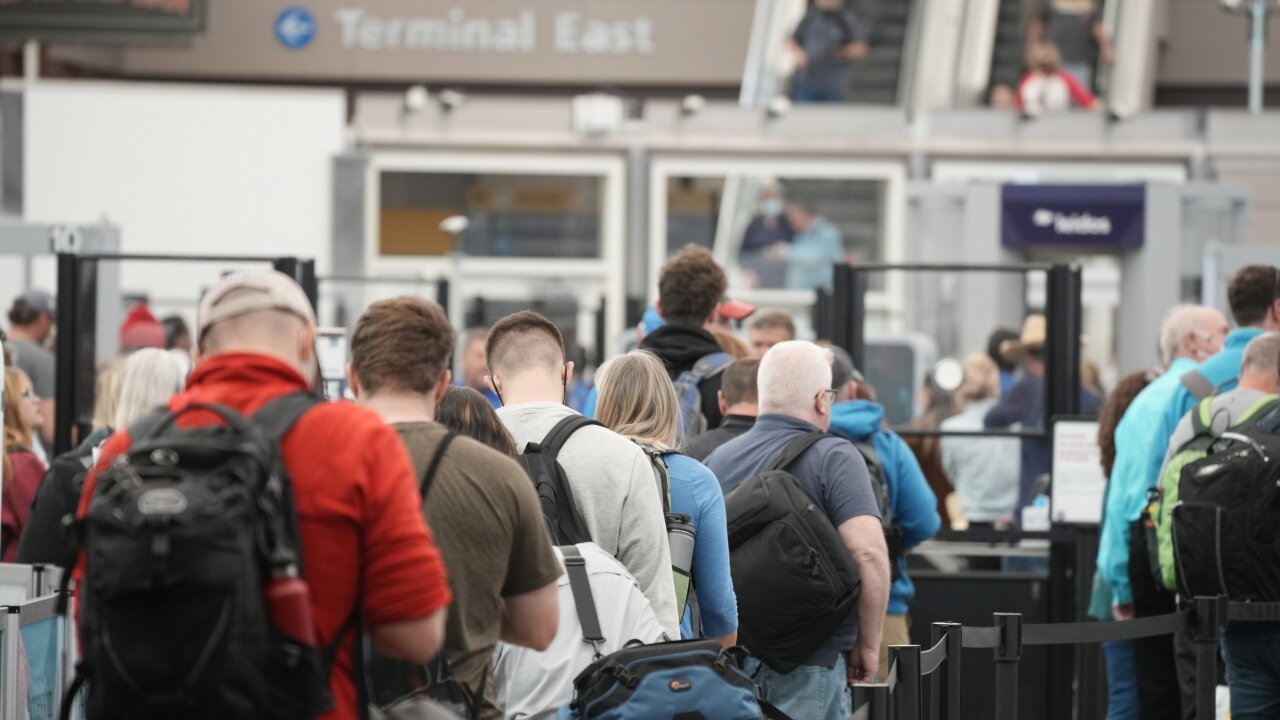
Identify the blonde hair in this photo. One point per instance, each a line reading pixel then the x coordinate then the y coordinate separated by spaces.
pixel 981 379
pixel 14 431
pixel 150 378
pixel 106 393
pixel 1046 58
pixel 731 344
pixel 637 399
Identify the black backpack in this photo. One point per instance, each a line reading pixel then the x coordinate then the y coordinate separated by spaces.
pixel 179 543
pixel 794 578
pixel 1226 537
pixel 880 487
pixel 564 522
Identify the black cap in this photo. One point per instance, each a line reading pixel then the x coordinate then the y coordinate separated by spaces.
pixel 842 369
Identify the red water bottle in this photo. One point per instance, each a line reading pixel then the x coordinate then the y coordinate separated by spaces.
pixel 288 599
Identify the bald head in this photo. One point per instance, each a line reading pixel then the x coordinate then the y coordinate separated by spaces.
pixel 1195 332
pixel 793 379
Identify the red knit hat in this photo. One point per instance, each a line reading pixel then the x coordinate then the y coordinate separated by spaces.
pixel 141 330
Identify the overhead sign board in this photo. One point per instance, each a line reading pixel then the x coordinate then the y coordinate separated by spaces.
pixel 1102 216
pixel 499 41
pixel 71 19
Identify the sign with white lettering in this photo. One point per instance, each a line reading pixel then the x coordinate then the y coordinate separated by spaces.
pixel 440 41
pixel 1110 216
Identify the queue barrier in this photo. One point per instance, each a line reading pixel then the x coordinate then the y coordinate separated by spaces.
pixel 902 695
pixel 37 646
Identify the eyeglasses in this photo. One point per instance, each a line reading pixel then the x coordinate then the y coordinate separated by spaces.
pixel 830 395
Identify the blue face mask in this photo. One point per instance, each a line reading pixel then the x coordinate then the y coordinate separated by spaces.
pixel 771 208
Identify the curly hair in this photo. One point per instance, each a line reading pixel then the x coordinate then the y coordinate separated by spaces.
pixel 690 287
pixel 1113 409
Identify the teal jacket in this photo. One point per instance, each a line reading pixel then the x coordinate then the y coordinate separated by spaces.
pixel 915 507
pixel 1141 439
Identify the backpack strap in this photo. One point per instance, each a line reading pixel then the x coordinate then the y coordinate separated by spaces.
pixel 1198 385
pixel 795 449
pixel 1202 418
pixel 554 442
pixel 875 468
pixel 278 417
pixel 576 568
pixel 661 473
pixel 429 477
pixel 1260 409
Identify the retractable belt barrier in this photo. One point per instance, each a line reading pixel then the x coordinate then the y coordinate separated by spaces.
pixel 901 697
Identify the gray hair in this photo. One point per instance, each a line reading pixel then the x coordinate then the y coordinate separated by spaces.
pixel 1262 354
pixel 1180 321
pixel 791 375
pixel 151 377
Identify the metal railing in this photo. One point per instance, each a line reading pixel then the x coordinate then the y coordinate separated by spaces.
pixel 927 685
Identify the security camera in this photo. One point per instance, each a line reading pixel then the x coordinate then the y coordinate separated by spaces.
pixel 415 98
pixel 451 100
pixel 778 107
pixel 692 105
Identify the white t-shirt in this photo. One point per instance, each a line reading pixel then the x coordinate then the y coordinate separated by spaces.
pixel 531 684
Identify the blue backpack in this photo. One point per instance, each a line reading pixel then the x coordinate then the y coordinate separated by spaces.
pixel 692 421
pixel 693 678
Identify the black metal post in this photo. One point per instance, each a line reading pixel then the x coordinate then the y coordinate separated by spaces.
pixel 68 377
pixel 602 339
pixel 821 315
pixel 906 696
pixel 876 695
pixel 304 273
pixel 442 294
pixel 1007 655
pixel 848 312
pixel 1210 615
pixel 1064 315
pixel 946 704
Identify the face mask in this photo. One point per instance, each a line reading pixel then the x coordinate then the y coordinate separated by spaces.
pixel 771 208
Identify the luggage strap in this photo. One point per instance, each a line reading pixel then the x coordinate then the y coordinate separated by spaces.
pixel 576 567
pixel 1253 612
pixel 1198 385
pixel 795 449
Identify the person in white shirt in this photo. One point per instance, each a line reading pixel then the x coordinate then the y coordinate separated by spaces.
pixel 534 685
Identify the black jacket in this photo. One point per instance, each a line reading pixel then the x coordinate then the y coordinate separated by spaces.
pixel 680 347
pixel 44 538
pixel 703 445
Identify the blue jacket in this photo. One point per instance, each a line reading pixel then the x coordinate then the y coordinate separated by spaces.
pixel 915 507
pixel 1222 371
pixel 1141 440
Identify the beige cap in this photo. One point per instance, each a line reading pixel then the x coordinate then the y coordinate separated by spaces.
pixel 259 290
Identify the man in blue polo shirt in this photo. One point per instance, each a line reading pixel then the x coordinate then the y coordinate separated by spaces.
pixel 795 399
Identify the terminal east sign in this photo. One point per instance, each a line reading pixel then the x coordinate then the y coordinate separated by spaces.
pixel 549 42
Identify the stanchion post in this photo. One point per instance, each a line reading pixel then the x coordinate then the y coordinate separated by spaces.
pixel 876 695
pixel 67 365
pixel 1007 655
pixel 946 703
pixel 906 697
pixel 442 294
pixel 1210 613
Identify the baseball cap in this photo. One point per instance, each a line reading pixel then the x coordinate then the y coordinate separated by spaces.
pixel 842 369
pixel 244 292
pixel 735 309
pixel 35 302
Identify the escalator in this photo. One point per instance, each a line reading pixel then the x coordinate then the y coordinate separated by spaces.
pixel 1008 50
pixel 877 77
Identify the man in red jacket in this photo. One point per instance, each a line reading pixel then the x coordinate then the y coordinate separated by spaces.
pixel 355 489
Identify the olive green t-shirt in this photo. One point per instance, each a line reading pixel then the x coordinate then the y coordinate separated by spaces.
pixel 487 522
